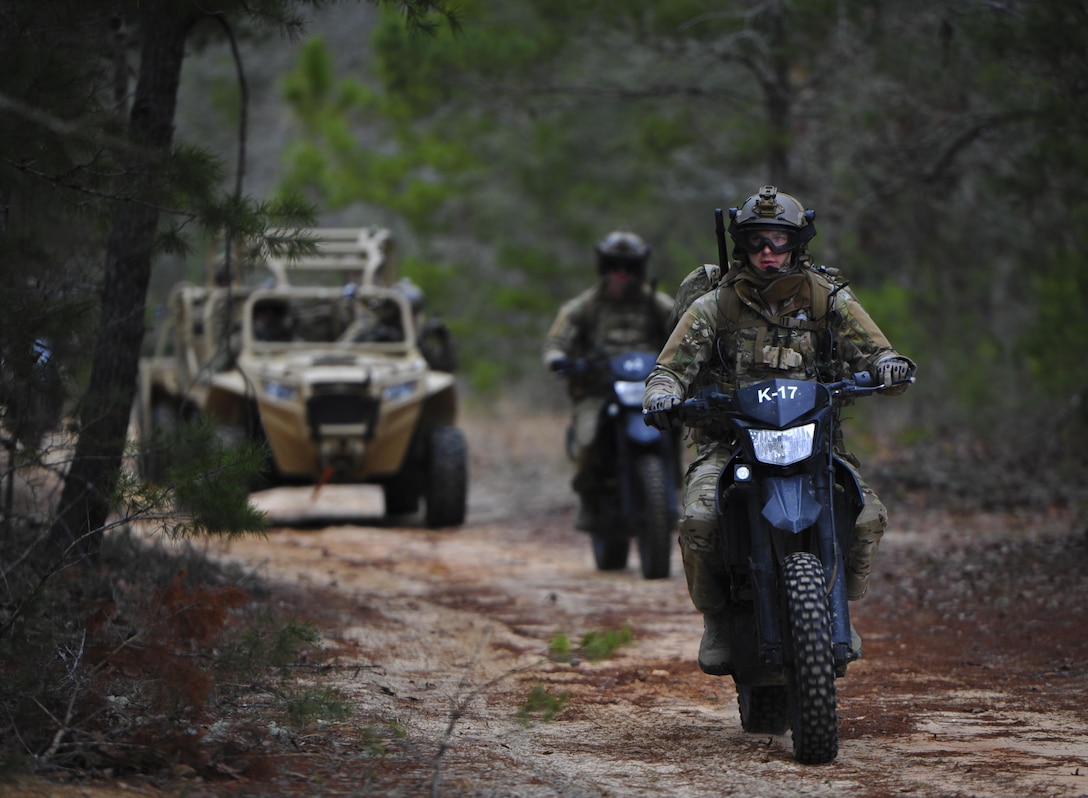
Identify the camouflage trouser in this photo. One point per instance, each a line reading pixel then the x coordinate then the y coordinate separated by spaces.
pixel 699 540
pixel 586 481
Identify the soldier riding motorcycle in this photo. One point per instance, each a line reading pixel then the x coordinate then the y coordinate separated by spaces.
pixel 637 497
pixel 778 339
pixel 600 342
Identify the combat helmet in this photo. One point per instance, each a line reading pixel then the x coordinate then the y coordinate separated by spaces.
pixel 771 210
pixel 622 250
pixel 412 292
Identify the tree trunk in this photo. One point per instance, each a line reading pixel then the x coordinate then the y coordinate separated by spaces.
pixel 104 414
pixel 778 99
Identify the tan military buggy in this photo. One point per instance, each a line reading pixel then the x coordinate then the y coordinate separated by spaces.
pixel 330 376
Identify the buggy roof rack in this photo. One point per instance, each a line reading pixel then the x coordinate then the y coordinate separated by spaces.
pixel 366 252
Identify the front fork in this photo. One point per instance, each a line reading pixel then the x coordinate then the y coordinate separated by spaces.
pixel 632 437
pixel 805 525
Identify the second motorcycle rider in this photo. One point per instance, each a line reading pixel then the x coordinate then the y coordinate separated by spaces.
pixel 620 313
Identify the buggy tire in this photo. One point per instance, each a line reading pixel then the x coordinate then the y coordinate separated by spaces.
pixel 156 461
pixel 654 518
pixel 402 492
pixel 446 488
pixel 811 664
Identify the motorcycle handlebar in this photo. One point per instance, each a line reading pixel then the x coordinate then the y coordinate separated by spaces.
pixel 577 366
pixel 567 367
pixel 716 403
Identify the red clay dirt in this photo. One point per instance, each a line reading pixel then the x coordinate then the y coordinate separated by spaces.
pixel 972 683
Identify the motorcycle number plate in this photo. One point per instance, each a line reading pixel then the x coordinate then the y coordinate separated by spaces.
pixel 778 402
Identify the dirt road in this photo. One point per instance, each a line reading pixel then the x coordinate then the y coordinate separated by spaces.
pixel 973 680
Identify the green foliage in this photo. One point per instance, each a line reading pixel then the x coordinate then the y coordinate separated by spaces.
pixel 1056 368
pixel 601 644
pixel 542 705
pixel 333 166
pixel 921 137
pixel 307 705
pixel 560 648
pixel 595 644
pixel 269 643
pixel 210 480
pixel 896 307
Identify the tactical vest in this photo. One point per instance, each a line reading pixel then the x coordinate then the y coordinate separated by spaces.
pixel 749 347
pixel 612 328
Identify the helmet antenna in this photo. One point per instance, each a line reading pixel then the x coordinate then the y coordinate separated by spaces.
pixel 719 232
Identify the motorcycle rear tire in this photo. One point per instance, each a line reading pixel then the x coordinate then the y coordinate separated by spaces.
pixel 764 709
pixel 811 681
pixel 654 519
pixel 610 553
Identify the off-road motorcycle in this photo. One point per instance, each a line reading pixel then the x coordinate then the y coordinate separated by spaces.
pixel 786 508
pixel 640 468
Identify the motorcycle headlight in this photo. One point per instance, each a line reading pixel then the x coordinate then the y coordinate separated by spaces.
pixel 783 447
pixel 283 391
pixel 630 393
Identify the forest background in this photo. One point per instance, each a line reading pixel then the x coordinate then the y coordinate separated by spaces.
pixel 942 145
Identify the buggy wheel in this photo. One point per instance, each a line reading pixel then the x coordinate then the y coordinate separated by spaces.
pixel 446 488
pixel 154 458
pixel 402 492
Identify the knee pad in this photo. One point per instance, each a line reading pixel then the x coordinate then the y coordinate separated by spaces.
pixel 699 534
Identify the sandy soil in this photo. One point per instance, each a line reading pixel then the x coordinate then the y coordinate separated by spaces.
pixel 972 684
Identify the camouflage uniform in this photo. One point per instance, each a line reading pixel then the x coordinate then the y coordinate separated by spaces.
pixel 594 325
pixel 706 347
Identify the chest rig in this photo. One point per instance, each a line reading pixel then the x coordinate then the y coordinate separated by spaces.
pixel 610 328
pixel 797 342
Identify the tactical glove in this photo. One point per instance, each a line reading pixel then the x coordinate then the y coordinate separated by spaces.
pixel 560 365
pixel 894 373
pixel 659 412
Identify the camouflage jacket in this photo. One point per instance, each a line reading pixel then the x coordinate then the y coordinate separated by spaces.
pixel 593 325
pixel 707 347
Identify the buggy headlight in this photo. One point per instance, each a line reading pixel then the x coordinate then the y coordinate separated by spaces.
pixel 630 393
pixel 783 447
pixel 398 391
pixel 280 390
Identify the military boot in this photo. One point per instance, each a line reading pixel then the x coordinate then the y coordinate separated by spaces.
pixel 715 654
pixel 705 589
pixel 588 516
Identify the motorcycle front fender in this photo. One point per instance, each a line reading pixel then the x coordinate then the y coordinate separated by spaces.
pixel 790 503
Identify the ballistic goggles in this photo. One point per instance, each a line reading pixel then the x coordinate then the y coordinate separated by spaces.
pixel 778 239
pixel 629 265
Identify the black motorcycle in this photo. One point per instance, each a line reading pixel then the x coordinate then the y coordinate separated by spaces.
pixel 786 508
pixel 640 467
